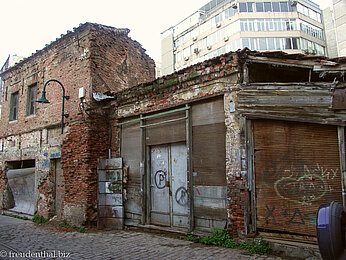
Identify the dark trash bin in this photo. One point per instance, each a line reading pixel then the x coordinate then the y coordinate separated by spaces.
pixel 331 231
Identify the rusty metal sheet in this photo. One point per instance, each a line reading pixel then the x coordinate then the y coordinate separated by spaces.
pixel 210 202
pixel 130 147
pixel 165 133
pixel 296 169
pixel 110 197
pixel 209 154
pixel 208 112
pixel 111 223
pixel 339 99
pixel 109 164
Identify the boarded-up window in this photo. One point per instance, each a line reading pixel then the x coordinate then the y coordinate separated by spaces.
pixel 209 163
pixel 209 139
pixel 296 170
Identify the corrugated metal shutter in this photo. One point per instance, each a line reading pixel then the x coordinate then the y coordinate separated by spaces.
pixel 130 152
pixel 296 169
pixel 166 129
pixel 209 139
pixel 209 161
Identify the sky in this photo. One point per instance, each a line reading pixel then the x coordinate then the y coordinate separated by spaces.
pixel 28 25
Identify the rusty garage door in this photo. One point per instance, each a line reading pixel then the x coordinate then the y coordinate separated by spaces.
pixel 296 169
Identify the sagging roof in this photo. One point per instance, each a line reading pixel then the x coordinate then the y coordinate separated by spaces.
pixel 209 68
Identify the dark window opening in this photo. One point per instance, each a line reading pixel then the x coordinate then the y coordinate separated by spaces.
pixel 14 106
pixel 21 164
pixel 31 100
pixel 261 73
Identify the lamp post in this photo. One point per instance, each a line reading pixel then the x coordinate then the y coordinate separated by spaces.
pixel 43 99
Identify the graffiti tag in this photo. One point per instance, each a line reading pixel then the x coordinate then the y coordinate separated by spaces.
pixel 160 179
pixel 295 217
pixel 270 213
pixel 305 189
pixel 181 196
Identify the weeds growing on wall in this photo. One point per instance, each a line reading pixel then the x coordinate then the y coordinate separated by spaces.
pixel 64 224
pixel 221 237
pixel 39 219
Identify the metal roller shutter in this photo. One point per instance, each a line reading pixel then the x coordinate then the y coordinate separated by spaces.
pixel 296 169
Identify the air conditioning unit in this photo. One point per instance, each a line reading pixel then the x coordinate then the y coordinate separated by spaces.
pixel 194 38
pixel 293 3
pixel 196 50
pixel 225 38
pixel 218 25
pixel 308 52
pixel 186 58
pixel 209 47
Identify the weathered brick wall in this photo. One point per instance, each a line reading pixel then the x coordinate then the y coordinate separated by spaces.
pixel 115 69
pixel 28 137
pixel 64 60
pixel 84 143
pixel 90 57
pixel 235 166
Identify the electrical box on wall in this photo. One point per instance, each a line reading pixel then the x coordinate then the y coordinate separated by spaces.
pixel 81 93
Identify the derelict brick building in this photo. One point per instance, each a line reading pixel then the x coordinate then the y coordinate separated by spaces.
pixel 252 142
pixel 55 173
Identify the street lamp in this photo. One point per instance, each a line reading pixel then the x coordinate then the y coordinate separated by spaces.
pixel 43 99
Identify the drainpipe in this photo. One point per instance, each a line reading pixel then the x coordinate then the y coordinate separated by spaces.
pixel 342 153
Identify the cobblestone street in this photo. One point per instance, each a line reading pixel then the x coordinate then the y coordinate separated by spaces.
pixel 46 243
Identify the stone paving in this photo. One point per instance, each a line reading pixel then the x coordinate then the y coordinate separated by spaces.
pixel 33 241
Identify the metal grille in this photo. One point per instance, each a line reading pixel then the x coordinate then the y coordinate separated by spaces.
pixel 296 169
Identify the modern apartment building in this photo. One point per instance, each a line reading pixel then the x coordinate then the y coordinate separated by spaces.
pixel 335 26
pixel 222 26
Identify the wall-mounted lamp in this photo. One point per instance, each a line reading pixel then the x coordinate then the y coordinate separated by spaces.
pixel 43 99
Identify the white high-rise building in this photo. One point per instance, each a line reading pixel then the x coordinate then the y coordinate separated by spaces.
pixel 335 27
pixel 228 25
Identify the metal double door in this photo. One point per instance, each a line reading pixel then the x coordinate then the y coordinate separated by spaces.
pixel 169 197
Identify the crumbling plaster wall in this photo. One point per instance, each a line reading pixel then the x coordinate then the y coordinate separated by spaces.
pixel 220 76
pixel 236 165
pixel 41 146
